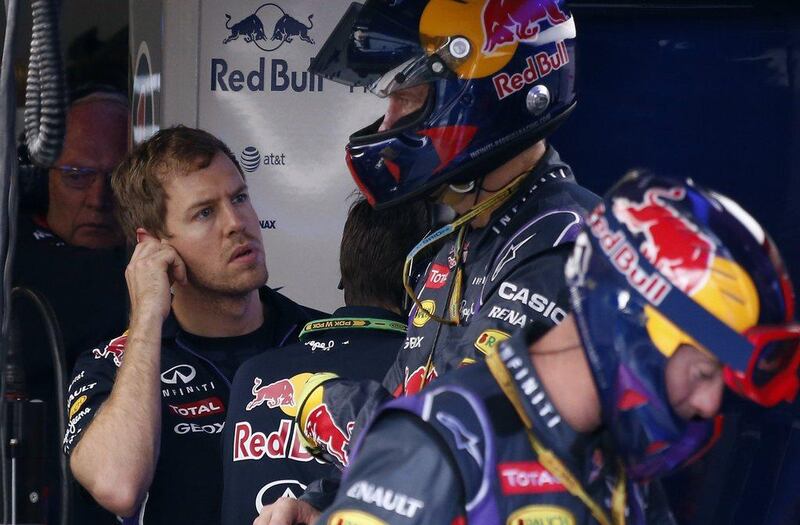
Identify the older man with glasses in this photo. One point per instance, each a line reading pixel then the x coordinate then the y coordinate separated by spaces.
pixel 72 253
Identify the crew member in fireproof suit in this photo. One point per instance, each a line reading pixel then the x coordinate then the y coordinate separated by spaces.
pixel 147 410
pixel 470 103
pixel 263 458
pixel 676 292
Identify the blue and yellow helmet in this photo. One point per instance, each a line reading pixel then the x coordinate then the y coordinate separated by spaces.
pixel 501 72
pixel 664 263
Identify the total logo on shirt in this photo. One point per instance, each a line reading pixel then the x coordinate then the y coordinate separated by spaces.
pixel 437 276
pixel 202 408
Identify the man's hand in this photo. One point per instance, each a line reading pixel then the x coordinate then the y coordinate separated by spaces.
pixel 154 266
pixel 287 511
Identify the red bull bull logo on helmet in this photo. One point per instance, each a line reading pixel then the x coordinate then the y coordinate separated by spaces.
pixel 625 258
pixel 672 243
pixel 277 394
pixel 321 428
pixel 508 21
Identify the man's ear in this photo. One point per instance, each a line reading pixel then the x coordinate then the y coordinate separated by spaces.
pixel 142 234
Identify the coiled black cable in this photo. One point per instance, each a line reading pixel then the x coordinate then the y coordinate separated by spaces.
pixel 45 96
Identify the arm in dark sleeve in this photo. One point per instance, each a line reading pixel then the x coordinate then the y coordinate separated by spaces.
pixel 91 383
pixel 404 457
pixel 321 493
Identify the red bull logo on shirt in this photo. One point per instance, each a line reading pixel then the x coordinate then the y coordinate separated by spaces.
pixel 672 244
pixel 508 21
pixel 113 350
pixel 277 394
pixel 322 429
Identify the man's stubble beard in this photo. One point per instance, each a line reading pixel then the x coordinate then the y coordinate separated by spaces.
pixel 233 287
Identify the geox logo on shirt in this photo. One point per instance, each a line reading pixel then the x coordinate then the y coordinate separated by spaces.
pixel 385 499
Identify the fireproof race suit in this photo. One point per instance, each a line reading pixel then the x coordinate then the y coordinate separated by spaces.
pixel 513 277
pixel 195 384
pixel 460 453
pixel 263 457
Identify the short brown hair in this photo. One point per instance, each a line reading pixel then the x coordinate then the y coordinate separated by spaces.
pixel 138 182
pixel 374 248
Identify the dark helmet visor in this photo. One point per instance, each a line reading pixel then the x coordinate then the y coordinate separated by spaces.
pixel 369 40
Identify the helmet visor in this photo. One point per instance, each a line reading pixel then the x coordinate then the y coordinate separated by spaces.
pixel 772 373
pixel 367 42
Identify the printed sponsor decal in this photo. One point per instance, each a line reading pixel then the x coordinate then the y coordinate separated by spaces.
pixel 489 339
pixel 275 394
pixel 506 22
pixel 186 390
pixel 195 428
pixel 413 343
pixel 509 254
pixel 77 405
pixel 541 515
pixel 282 488
pixel 281 77
pixel 673 244
pixel 202 408
pixel 464 439
pixel 320 345
pixel 537 67
pixel 508 315
pixel 183 373
pixel 268 224
pixel 420 315
pixel 437 276
pixel 253 445
pixel 625 258
pixel 527 477
pixel 114 350
pixel 268 28
pixel 76 379
pixel 531 389
pixel 353 517
pixel 417 379
pixel 536 302
pixel 71 427
pixel 250 159
pixel 82 390
pixel 321 428
pixel 385 499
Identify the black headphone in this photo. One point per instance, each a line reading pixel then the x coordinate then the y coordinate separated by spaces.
pixel 32 181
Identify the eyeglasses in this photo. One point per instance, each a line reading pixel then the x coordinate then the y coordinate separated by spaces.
pixel 79 178
pixel 772 372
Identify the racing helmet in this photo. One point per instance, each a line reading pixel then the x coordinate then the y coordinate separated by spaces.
pixel 663 263
pixel 501 75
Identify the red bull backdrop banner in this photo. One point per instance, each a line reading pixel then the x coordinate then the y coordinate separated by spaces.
pixel 238 70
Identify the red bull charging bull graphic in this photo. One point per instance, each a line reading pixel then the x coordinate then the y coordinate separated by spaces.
pixel 321 428
pixel 113 350
pixel 268 28
pixel 673 245
pixel 509 21
pixel 277 394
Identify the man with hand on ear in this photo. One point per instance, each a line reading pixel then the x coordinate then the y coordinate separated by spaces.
pixel 147 410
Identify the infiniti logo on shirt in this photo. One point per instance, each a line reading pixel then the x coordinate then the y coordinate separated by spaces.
pixel 183 372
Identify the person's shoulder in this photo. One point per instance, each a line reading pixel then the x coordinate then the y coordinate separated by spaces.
pixel 289 308
pixel 107 351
